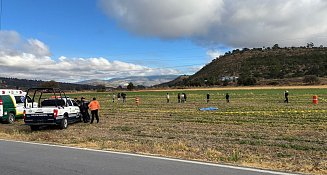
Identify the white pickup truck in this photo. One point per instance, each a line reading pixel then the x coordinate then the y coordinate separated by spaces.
pixel 54 108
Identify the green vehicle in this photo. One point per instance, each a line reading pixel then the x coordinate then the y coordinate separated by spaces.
pixel 11 105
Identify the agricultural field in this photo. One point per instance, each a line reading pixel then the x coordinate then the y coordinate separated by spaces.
pixel 256 129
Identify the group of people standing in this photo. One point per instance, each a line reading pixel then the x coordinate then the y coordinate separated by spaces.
pixel 226 96
pixel 119 96
pixel 85 106
pixel 181 97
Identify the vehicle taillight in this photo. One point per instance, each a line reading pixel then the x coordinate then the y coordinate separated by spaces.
pixel 1 102
pixel 55 113
pixel 24 113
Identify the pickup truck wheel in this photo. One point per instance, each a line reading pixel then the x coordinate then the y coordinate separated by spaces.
pixel 34 128
pixel 11 118
pixel 64 123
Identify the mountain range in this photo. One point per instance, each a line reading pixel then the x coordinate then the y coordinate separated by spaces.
pixel 146 81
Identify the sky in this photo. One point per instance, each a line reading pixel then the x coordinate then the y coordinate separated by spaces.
pixel 75 40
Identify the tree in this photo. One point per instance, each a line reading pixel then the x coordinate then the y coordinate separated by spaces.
pixel 130 86
pixel 246 81
pixel 50 84
pixel 101 88
pixel 225 82
pixel 310 45
pixel 245 49
pixel 140 87
pixel 276 46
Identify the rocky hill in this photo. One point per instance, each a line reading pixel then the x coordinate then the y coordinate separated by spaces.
pixel 260 66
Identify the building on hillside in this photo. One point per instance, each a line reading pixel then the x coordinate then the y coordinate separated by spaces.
pixel 229 78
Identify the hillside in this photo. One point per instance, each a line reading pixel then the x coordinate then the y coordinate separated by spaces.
pixel 261 66
pixel 176 82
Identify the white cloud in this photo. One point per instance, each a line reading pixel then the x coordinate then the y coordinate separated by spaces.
pixel 213 53
pixel 234 23
pixel 191 70
pixel 8 39
pixel 167 18
pixel 31 59
pixel 37 47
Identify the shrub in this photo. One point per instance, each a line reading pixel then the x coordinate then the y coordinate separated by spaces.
pixel 311 79
pixel 247 81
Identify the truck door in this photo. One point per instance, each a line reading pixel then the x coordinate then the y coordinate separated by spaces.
pixel 72 113
pixel 19 105
pixel 1 107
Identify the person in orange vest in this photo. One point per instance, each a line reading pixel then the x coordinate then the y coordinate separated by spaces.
pixel 94 107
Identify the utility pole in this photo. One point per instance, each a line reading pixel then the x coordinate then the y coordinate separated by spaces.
pixel 0 15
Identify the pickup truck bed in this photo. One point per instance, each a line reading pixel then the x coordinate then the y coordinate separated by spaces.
pixel 52 112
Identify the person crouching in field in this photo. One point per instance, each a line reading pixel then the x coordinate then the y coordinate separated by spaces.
pixel 94 107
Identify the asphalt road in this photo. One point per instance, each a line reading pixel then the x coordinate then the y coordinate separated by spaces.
pixel 18 158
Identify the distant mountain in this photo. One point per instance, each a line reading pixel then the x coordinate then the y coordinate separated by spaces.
pixel 146 81
pixel 13 83
pixel 178 81
pixel 263 66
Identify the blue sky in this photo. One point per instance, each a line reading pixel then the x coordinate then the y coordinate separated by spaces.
pixel 79 28
pixel 102 39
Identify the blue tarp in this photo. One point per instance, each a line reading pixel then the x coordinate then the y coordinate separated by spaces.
pixel 208 109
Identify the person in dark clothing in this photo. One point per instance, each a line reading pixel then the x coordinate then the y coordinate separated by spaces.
pixel 286 97
pixel 184 97
pixel 84 110
pixel 123 95
pixel 179 97
pixel 76 102
pixel 208 97
pixel 227 97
